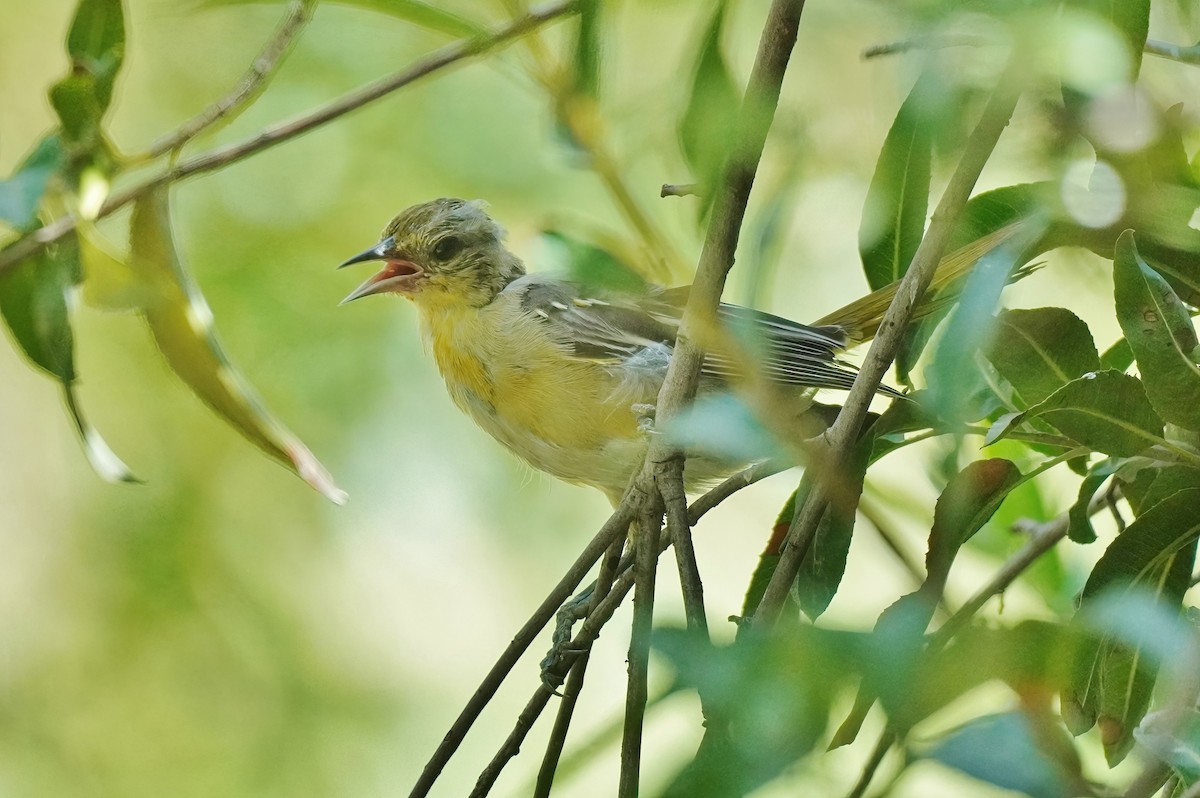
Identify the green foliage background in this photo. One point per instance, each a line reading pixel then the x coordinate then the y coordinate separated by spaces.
pixel 223 630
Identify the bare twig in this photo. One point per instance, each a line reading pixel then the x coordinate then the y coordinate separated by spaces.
pixel 574 685
pixel 210 161
pixel 742 479
pixel 1151 779
pixel 882 746
pixel 679 190
pixel 670 487
pixel 939 42
pixel 612 530
pixel 1176 52
pixel 271 57
pixel 842 435
pixel 636 691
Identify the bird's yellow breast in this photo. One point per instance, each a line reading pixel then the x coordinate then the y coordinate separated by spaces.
pixel 563 414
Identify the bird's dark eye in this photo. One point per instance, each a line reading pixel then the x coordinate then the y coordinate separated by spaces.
pixel 447 248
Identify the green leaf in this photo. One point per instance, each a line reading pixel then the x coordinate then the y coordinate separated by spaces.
pixel 1119 356
pixel 1134 593
pixel 33 302
pixel 1004 751
pixel 1160 333
pixel 96 44
pixel 22 193
pixel 1039 351
pixel 1079 517
pixel 708 125
pixel 893 220
pixel 181 323
pixel 417 12
pixel 824 564
pixel 970 498
pixel 1106 411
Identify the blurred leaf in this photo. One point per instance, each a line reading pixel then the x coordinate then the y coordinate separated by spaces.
pixel 755 690
pixel 593 267
pixel 1106 411
pixel 709 122
pixel 1131 18
pixel 723 427
pixel 1152 557
pixel 21 194
pixel 1002 750
pixel 585 61
pixel 1174 737
pixel 893 220
pixel 418 12
pixel 1079 517
pixel 33 302
pixel 1160 333
pixel 1040 350
pixel 109 284
pixel 181 323
pixel 96 44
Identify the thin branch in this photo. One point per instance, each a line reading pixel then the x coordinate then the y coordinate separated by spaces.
pixel 1151 779
pixel 842 435
pixel 1175 52
pixel 574 685
pixel 636 691
pixel 612 530
pixel 742 479
pixel 210 161
pixel 679 530
pixel 252 83
pixel 882 746
pixel 582 641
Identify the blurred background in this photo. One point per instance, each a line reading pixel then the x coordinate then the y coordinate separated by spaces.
pixel 224 630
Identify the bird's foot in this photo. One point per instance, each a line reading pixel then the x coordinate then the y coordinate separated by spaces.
pixel 644 412
pixel 555 664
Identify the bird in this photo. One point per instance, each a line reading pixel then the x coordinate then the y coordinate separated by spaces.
pixel 564 374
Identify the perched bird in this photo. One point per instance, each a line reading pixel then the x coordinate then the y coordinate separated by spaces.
pixel 563 374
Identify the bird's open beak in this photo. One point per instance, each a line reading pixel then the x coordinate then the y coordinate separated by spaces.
pixel 398 276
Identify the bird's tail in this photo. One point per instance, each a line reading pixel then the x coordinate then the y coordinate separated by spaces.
pixel 862 317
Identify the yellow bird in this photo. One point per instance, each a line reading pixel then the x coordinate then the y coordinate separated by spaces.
pixel 566 377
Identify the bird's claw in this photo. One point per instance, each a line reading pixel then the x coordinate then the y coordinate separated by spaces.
pixel 552 665
pixel 644 412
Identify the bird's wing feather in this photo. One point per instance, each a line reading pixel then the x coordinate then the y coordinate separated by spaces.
pixel 614 328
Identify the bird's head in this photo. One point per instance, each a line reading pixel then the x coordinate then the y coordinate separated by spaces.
pixel 440 253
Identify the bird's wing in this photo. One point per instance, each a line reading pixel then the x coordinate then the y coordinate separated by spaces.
pixel 615 328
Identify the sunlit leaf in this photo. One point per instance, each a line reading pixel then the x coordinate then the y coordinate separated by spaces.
pixel 33 302
pixel 1152 558
pixel 21 194
pixel 893 220
pixel 181 323
pixel 1131 18
pixel 1160 333
pixel 1004 751
pixel 1107 411
pixel 1038 351
pixel 709 121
